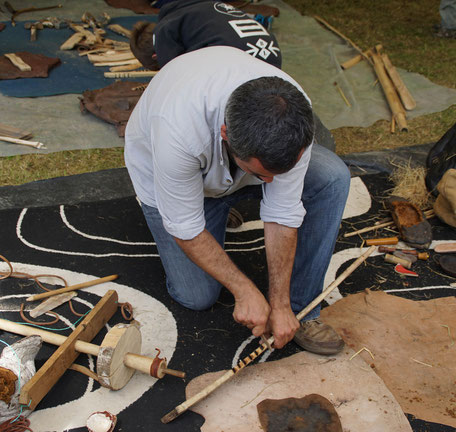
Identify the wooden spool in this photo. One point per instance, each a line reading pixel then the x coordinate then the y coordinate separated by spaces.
pixel 111 369
pixel 116 362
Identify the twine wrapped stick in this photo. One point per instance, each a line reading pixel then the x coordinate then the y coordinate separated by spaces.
pixel 184 406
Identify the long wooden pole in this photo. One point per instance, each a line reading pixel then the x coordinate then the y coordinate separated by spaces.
pixel 345 38
pixel 406 98
pixel 390 92
pixel 263 347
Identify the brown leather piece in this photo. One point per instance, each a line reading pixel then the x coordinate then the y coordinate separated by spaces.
pixel 39 63
pixel 113 103
pixel 413 345
pixel 312 413
pixel 2 26
pixel 413 227
pixel 7 384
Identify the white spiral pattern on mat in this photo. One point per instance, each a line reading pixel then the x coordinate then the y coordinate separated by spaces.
pixel 158 329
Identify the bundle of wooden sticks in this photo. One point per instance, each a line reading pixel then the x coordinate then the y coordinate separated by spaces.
pixel 397 95
pixel 102 51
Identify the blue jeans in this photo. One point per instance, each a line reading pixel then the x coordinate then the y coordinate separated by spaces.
pixel 325 192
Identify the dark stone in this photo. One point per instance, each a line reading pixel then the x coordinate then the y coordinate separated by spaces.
pixel 312 413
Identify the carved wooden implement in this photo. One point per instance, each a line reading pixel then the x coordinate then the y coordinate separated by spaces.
pixel 263 347
pixel 117 359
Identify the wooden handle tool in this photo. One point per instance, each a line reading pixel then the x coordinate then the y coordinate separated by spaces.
pixel 263 347
pixel 382 241
pixel 72 288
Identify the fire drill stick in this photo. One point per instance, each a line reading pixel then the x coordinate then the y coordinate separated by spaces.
pixel 263 347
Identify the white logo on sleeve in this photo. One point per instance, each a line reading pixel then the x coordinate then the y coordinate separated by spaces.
pixel 261 49
pixel 248 27
pixel 228 10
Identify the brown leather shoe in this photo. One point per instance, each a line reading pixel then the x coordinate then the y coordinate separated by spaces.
pixel 318 338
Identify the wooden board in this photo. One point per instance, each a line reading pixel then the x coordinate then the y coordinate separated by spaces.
pixel 45 378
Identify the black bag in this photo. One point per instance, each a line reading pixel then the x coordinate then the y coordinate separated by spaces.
pixel 440 158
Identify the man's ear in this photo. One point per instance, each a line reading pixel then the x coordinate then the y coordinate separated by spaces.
pixel 223 132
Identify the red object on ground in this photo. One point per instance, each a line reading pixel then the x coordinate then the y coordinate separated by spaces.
pixel 403 271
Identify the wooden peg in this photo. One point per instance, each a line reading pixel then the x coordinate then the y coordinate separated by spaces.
pixel 382 241
pixel 18 62
pixel 72 41
pixel 396 260
pixel 116 28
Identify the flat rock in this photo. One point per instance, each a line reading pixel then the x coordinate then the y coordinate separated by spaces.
pixel 358 395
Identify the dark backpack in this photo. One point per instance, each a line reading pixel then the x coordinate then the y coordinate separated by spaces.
pixel 441 158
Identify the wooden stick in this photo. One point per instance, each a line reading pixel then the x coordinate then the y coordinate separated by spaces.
pixel 345 38
pixel 428 214
pixel 35 144
pixel 115 56
pixel 355 60
pixel 51 303
pixel 404 94
pixel 116 28
pixel 342 94
pixel 72 41
pixel 12 132
pixel 367 229
pixel 119 63
pixel 126 68
pixel 72 288
pixel 382 241
pixel 263 347
pixel 130 74
pixel 90 38
pixel 390 93
pixel 18 62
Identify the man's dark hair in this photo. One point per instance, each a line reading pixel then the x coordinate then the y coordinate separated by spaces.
pixel 142 44
pixel 270 119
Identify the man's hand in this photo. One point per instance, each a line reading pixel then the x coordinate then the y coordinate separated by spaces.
pixel 283 326
pixel 252 310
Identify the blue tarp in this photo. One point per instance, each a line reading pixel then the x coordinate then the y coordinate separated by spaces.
pixel 75 74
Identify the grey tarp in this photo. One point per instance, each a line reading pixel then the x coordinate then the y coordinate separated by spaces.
pixel 311 54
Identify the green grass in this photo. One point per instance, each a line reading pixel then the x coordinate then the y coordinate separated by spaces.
pixel 403 27
pixel 15 170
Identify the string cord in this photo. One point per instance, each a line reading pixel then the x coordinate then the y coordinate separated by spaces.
pixel 126 309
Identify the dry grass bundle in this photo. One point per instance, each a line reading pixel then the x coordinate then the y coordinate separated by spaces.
pixel 409 184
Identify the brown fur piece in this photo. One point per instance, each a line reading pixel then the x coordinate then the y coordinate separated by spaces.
pixel 312 413
pixel 7 384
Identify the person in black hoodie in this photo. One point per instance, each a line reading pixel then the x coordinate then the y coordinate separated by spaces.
pixel 188 25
